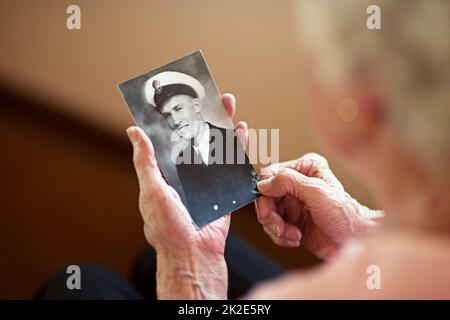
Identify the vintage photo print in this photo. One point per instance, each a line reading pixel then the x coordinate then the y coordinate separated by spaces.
pixel 180 109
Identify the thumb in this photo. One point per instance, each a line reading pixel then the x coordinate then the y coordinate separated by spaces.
pixel 144 160
pixel 290 182
pixel 241 131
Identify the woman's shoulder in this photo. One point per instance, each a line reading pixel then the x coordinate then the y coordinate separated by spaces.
pixel 411 265
pixel 396 265
pixel 388 266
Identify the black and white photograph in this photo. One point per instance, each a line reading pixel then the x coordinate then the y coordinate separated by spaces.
pixel 178 106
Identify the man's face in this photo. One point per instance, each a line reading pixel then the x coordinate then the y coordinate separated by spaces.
pixel 181 112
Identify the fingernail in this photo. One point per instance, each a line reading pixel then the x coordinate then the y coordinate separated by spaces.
pixel 132 135
pixel 293 244
pixel 294 235
pixel 264 185
pixel 275 229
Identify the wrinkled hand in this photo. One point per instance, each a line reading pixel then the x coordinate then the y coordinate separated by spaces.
pixel 167 224
pixel 303 202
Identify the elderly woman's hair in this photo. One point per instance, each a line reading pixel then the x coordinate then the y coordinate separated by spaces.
pixel 408 58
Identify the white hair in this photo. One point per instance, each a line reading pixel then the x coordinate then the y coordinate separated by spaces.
pixel 409 55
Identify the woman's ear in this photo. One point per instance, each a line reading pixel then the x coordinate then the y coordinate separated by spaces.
pixel 358 119
pixel 371 112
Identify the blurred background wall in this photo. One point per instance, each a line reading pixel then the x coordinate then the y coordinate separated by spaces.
pixel 68 189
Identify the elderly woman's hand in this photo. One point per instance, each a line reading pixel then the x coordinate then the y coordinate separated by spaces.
pixel 190 261
pixel 304 202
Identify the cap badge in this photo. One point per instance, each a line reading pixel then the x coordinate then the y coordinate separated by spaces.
pixel 157 85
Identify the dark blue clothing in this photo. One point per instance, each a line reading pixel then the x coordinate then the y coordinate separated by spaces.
pixel 246 267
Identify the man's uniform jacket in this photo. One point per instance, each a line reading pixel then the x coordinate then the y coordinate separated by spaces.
pixel 218 188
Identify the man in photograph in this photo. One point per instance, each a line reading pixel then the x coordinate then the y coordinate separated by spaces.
pixel 210 157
